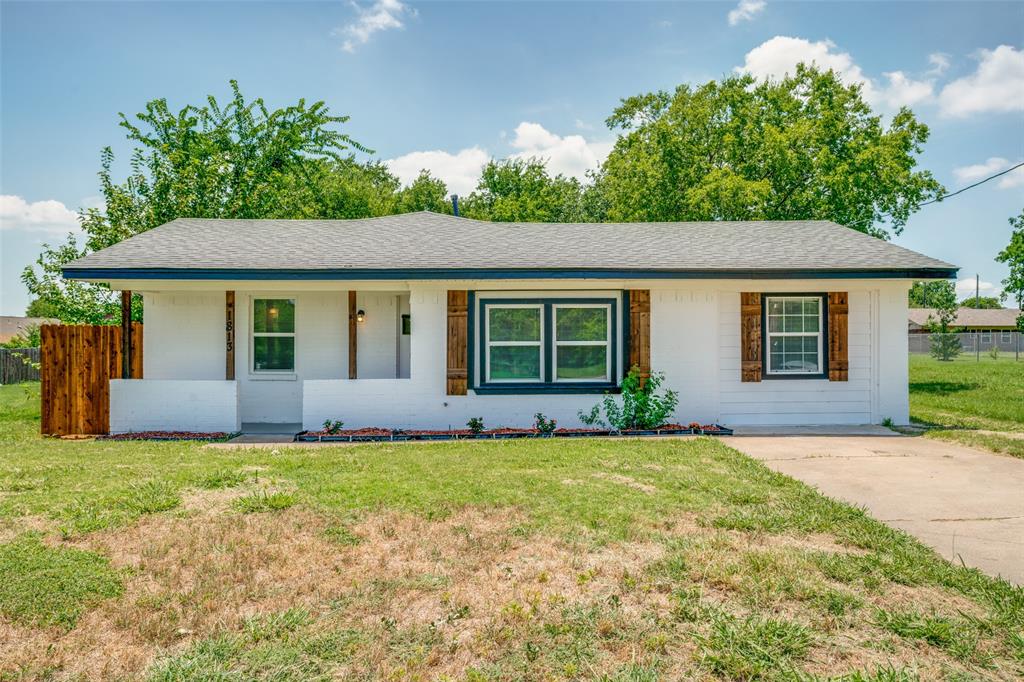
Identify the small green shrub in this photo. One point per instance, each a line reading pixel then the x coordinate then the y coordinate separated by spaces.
pixel 642 406
pixel 49 586
pixel 475 424
pixel 543 424
pixel 333 426
pixel 264 502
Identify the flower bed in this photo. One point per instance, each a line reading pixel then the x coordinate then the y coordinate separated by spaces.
pixel 171 435
pixel 379 434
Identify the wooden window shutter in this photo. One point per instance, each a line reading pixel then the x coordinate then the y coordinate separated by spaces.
pixel 838 336
pixel 640 331
pixel 750 336
pixel 458 343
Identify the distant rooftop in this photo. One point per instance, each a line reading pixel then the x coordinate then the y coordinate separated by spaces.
pixel 970 317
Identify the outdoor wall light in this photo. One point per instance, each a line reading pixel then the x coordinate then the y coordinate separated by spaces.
pixel 360 315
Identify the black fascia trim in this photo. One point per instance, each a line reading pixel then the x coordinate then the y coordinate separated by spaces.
pixel 496 273
pixel 823 374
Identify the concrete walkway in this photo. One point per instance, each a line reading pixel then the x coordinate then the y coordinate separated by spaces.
pixel 965 503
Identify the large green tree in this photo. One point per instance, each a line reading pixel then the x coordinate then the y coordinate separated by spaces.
pixel 237 160
pixel 925 294
pixel 1013 257
pixel 522 190
pixel 803 147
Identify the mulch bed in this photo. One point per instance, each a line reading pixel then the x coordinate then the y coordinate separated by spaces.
pixel 373 434
pixel 172 435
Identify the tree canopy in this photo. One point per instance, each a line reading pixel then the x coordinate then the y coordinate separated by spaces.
pixel 803 147
pixel 1013 257
pixel 928 294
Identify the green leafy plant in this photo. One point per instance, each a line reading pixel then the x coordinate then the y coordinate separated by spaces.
pixel 993 352
pixel 333 426
pixel 543 424
pixel 642 406
pixel 475 425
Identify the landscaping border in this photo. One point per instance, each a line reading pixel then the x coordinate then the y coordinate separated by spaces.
pixel 501 434
pixel 215 437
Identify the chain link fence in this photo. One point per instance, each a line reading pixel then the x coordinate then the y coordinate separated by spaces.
pixel 990 345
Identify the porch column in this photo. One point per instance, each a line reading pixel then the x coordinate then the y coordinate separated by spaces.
pixel 229 335
pixel 126 334
pixel 352 310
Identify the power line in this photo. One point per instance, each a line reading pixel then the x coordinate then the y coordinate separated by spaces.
pixel 951 194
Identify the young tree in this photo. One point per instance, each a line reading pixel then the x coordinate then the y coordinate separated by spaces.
pixel 803 147
pixel 924 294
pixel 1013 256
pixel 238 160
pixel 945 344
pixel 522 190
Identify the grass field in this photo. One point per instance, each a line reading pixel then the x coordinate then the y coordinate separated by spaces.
pixel 547 560
pixel 976 403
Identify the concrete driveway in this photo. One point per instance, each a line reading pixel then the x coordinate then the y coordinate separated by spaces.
pixel 965 503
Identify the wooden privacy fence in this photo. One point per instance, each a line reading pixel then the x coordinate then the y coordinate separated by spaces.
pixel 77 364
pixel 18 364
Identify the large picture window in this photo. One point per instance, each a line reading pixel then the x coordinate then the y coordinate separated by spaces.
pixel 794 338
pixel 549 344
pixel 273 335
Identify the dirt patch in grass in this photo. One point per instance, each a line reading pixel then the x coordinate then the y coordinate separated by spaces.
pixel 628 481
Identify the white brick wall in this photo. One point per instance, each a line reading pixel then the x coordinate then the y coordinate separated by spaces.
pixel 694 341
pixel 173 405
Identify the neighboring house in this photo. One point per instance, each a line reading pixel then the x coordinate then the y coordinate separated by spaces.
pixel 425 320
pixel 989 326
pixel 11 326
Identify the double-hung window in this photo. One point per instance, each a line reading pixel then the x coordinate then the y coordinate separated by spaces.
pixel 795 338
pixel 273 335
pixel 547 344
pixel 1006 337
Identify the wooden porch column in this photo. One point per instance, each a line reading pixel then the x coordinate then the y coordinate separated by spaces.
pixel 126 335
pixel 229 332
pixel 352 357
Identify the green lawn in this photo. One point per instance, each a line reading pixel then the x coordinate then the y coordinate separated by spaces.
pixel 569 559
pixel 970 401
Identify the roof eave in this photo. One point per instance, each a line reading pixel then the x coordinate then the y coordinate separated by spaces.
pixel 103 274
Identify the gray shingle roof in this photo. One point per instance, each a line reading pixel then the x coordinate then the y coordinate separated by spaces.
pixel 433 242
pixel 969 317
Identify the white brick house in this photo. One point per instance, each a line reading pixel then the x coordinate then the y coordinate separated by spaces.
pixel 425 320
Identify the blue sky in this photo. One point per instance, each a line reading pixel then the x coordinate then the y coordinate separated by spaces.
pixel 448 85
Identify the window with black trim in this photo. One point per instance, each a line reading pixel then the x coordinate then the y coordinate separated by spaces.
pixel 554 344
pixel 795 335
pixel 273 335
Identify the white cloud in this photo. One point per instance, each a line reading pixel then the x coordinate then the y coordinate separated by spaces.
pixel 904 92
pixel 996 86
pixel 965 175
pixel 460 171
pixel 746 10
pixel 965 288
pixel 775 58
pixel 382 15
pixel 48 217
pixel 939 62
pixel 570 155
